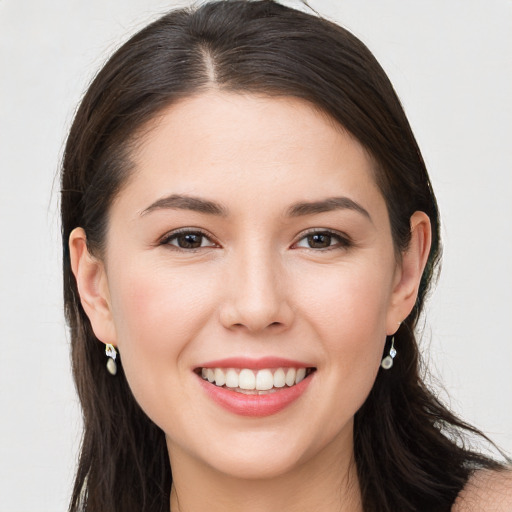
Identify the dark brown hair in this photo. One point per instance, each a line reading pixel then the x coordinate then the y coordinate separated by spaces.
pixel 408 448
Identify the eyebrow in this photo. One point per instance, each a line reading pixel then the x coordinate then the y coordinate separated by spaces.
pixel 326 205
pixel 182 202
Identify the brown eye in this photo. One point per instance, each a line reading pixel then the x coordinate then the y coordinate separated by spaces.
pixel 188 240
pixel 323 240
pixel 319 240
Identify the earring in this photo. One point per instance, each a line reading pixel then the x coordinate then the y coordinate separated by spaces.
pixel 111 353
pixel 387 362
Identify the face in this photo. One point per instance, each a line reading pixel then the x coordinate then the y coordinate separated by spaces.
pixel 251 244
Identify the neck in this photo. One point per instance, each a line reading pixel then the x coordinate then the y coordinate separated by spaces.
pixel 326 482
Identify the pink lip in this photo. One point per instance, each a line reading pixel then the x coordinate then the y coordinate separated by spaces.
pixel 255 405
pixel 255 364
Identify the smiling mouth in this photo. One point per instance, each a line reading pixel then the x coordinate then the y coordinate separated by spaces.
pixel 254 382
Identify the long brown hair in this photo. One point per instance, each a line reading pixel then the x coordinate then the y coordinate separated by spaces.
pixel 408 448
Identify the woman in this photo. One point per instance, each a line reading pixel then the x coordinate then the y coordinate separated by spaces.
pixel 249 234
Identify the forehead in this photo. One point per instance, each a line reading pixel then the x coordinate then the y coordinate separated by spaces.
pixel 237 145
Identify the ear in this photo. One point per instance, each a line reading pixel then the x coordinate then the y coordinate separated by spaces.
pixel 408 276
pixel 92 287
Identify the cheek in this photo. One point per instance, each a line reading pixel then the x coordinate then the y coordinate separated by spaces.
pixel 157 314
pixel 349 303
pixel 349 317
pixel 158 305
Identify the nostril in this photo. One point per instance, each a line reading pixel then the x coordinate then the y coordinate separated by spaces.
pixel 274 325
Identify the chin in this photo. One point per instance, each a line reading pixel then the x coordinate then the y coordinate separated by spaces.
pixel 258 465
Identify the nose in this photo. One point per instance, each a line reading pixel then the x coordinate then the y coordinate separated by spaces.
pixel 256 294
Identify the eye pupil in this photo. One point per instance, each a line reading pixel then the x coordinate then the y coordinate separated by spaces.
pixel 319 240
pixel 190 240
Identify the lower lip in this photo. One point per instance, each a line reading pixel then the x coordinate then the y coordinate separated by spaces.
pixel 255 405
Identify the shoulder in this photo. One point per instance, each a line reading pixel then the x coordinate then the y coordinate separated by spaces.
pixel 486 490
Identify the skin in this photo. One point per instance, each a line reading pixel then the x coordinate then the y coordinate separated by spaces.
pixel 486 490
pixel 254 288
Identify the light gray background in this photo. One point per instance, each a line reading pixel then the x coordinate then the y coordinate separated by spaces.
pixel 450 61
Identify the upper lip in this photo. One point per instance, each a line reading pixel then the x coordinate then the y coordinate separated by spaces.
pixel 255 363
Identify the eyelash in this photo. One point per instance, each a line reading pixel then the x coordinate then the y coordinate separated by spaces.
pixel 343 241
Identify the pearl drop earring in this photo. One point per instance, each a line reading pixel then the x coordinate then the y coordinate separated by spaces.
pixel 111 353
pixel 387 362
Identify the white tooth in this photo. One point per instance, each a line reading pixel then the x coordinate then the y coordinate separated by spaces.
pixel 290 377
pixel 210 375
pixel 231 378
pixel 204 373
pixel 279 378
pixel 220 377
pixel 246 379
pixel 264 380
pixel 301 373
